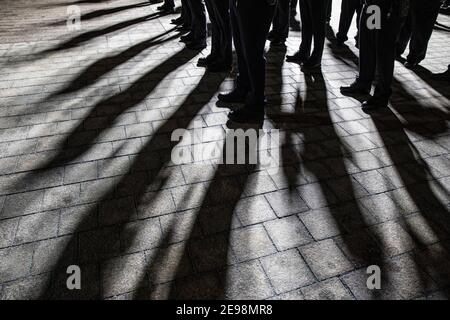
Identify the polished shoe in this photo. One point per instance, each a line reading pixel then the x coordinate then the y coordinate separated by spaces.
pixel 311 64
pixel 374 103
pixel 166 9
pixel 178 21
pixel 204 62
pixel 357 87
pixel 411 64
pixel 297 57
pixel 247 115
pixel 196 45
pixel 235 96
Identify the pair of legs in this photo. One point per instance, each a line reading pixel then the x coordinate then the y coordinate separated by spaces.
pixel 196 39
pixel 418 29
pixel 348 10
pixel 250 33
pixel 221 44
pixel 281 22
pixel 377 52
pixel 314 17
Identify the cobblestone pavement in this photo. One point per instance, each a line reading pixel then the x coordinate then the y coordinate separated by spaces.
pixel 86 178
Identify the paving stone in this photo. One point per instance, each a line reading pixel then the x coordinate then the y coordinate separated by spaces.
pixel 251 242
pixel 37 227
pixel 393 238
pixel 31 288
pixel 141 235
pixel 181 226
pixel 254 210
pixel 155 204
pixel 287 233
pixel 287 271
pixel 22 204
pixel 7 232
pixel 285 203
pixel 52 253
pixel 117 211
pixel 331 289
pixel 325 259
pixel 247 281
pixel 321 223
pixel 317 195
pixel 15 262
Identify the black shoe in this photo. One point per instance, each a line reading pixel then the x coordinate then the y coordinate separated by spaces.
pixel 374 103
pixel 278 43
pixel 187 38
pixel 247 115
pixel 235 96
pixel 297 57
pixel 206 61
pixel 196 45
pixel 166 9
pixel 178 21
pixel 219 67
pixel 311 64
pixel 357 87
pixel 411 64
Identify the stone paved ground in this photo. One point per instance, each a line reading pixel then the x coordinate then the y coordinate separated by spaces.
pixel 86 177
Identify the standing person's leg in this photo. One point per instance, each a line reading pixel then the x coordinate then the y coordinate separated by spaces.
pixel 385 52
pixel 198 25
pixel 240 92
pixel 281 23
pixel 424 18
pixel 293 22
pixel 224 58
pixel 405 34
pixel 254 31
pixel 304 52
pixel 215 37
pixel 329 11
pixel 186 14
pixel 367 58
pixel 348 9
pixel 319 14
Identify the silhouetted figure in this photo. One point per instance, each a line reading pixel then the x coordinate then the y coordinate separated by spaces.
pixel 196 38
pixel 280 26
pixel 314 17
pixel 221 56
pixel 250 20
pixel 378 51
pixel 417 30
pixel 348 10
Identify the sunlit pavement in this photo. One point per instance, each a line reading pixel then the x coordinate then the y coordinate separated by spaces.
pixel 86 179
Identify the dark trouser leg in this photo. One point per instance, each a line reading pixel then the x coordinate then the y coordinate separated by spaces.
pixel 254 30
pixel 293 6
pixel 367 57
pixel 281 19
pixel 307 27
pixel 329 10
pixel 386 40
pixel 198 25
pixel 348 9
pixel 405 34
pixel 222 10
pixel 243 81
pixel 186 13
pixel 319 14
pixel 169 3
pixel 424 16
pixel 215 44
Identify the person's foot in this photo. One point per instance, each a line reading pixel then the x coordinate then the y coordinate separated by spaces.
pixel 184 28
pixel 187 38
pixel 204 62
pixel 247 115
pixel 312 64
pixel 178 21
pixel 235 96
pixel 340 40
pixel 196 45
pixel 444 76
pixel 357 87
pixel 278 43
pixel 411 64
pixel 166 9
pixel 298 57
pixel 374 103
